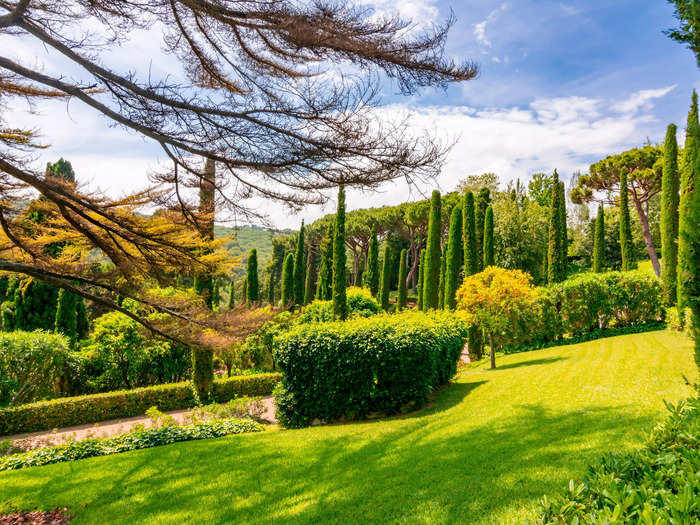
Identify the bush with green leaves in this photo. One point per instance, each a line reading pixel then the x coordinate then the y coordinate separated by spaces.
pixel 33 365
pixel 657 484
pixel 360 304
pixel 138 439
pixel 355 368
pixel 79 410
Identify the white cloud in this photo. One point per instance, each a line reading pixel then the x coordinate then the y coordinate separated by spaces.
pixel 641 99
pixel 420 12
pixel 570 10
pixel 480 28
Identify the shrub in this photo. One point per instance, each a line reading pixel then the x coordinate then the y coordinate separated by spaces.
pixel 680 321
pixel 32 364
pixel 355 368
pixel 68 411
pixel 139 439
pixel 360 304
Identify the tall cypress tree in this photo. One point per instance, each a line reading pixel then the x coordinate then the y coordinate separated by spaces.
pixel 386 278
pixel 689 226
pixel 564 246
pixel 421 273
pixel 627 248
pixel 310 276
pixel 488 237
pixel 471 261
pixel 599 241
pixel 670 199
pixel 401 299
pixel 252 285
pixel 287 298
pixel 324 287
pixel 455 251
pixel 215 295
pixel 441 286
pixel 271 288
pixel 554 251
pixel 372 272
pixel 232 295
pixel 82 324
pixel 299 268
pixel 482 202
pixel 431 274
pixel 340 280
pixel 66 322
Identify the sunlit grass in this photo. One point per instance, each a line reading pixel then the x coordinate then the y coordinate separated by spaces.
pixel 484 452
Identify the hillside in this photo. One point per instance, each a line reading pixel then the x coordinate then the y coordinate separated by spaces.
pixel 246 238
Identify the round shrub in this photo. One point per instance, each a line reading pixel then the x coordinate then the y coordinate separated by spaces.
pixel 360 304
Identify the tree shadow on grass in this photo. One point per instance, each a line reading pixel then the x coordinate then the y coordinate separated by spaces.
pixel 531 362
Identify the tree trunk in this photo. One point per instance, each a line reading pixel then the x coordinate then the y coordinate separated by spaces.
pixel 493 351
pixel 415 260
pixel 646 233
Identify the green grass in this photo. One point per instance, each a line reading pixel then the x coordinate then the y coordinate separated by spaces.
pixel 487 449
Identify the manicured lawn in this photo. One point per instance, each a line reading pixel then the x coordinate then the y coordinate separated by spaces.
pixel 489 447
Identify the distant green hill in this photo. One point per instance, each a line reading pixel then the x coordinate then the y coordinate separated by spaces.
pixel 246 238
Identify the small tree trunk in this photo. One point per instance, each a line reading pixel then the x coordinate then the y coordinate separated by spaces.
pixel 493 351
pixel 646 233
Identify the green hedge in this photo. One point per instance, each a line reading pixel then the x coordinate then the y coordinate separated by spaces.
pixel 69 411
pixel 351 369
pixel 146 438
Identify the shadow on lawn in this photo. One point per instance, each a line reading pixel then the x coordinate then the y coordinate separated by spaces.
pixel 531 362
pixel 424 468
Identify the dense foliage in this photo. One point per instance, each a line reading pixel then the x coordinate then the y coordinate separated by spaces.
pixel 340 281
pixel 453 257
pixel 360 304
pixel 431 273
pixel 629 260
pixel 401 296
pixel 670 186
pixel 385 282
pixel 299 268
pixel 599 241
pixel 396 362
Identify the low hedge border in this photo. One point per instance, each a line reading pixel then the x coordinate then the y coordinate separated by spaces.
pixel 80 410
pixel 151 437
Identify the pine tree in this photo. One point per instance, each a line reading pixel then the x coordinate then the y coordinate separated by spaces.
pixel 564 246
pixel 488 237
pixel 421 272
pixel 82 324
pixel 324 287
pixel 299 268
pixel 431 274
pixel 386 279
pixel 482 202
pixel 689 226
pixel 252 285
pixel 232 295
pixel 372 272
pixel 627 248
pixel 310 277
pixel 66 322
pixel 453 263
pixel 401 298
pixel 670 198
pixel 599 241
pixel 340 301
pixel 441 287
pixel 471 262
pixel 288 281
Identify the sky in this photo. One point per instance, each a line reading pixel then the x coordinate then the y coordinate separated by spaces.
pixel 561 85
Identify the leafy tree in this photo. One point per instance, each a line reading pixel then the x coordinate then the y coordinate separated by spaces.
pixel 483 199
pixel 540 188
pixel 455 253
pixel 689 226
pixel 401 298
pixel 495 300
pixel 599 241
pixel 252 285
pixel 34 305
pixel 688 32
pixel 488 238
pixel 556 269
pixel 474 183
pixel 372 270
pixel 431 274
pixel 299 268
pixel 61 169
pixel 670 187
pixel 324 286
pixel 629 261
pixel 340 281
pixel 66 321
pixel 386 281
pixel 471 261
pixel 288 281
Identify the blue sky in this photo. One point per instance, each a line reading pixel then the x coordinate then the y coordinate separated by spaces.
pixel 562 85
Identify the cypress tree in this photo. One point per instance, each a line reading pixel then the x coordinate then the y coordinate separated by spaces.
pixel 670 198
pixel 232 295
pixel 564 246
pixel 401 299
pixel 421 271
pixel 252 285
pixel 310 276
pixel 66 322
pixel 431 274
pixel 215 295
pixel 454 256
pixel 372 273
pixel 386 275
pixel 441 287
pixel 271 288
pixel 324 287
pixel 689 226
pixel 340 301
pixel 556 264
pixel 299 268
pixel 202 372
pixel 82 324
pixel 626 246
pixel 482 201
pixel 488 237
pixel 599 241
pixel 288 281
pixel 471 261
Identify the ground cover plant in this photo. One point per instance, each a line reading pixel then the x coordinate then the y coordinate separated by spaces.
pixel 486 450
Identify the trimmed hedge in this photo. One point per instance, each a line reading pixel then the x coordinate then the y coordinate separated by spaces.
pixel 354 368
pixel 69 411
pixel 139 439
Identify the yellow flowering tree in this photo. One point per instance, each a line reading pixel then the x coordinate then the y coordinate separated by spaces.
pixel 496 300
